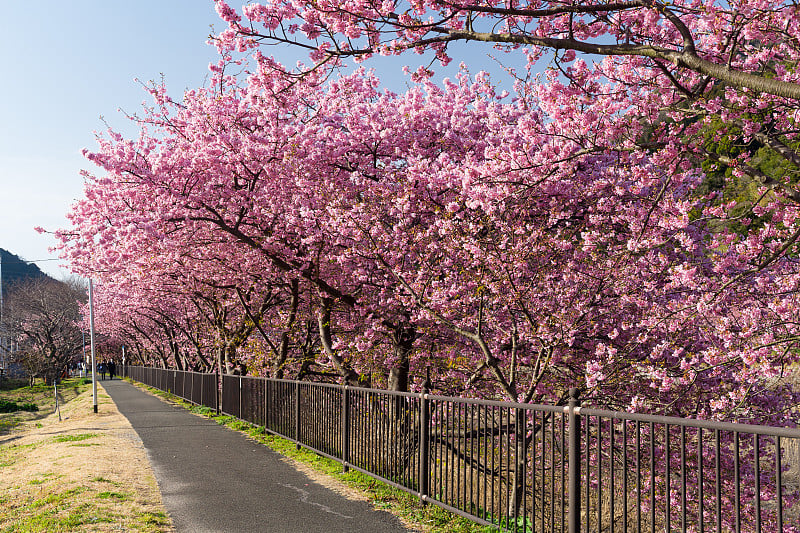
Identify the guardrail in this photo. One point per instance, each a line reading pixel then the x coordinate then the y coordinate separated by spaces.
pixel 524 467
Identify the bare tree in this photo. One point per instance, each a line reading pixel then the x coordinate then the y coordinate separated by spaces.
pixel 44 315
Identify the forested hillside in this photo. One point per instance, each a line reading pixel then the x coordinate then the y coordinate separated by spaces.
pixel 13 268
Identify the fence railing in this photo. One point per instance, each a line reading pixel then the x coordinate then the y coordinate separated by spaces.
pixel 530 468
pixel 200 389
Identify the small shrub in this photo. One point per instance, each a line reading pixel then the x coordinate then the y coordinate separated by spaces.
pixel 10 406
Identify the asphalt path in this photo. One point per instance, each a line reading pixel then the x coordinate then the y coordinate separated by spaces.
pixel 215 479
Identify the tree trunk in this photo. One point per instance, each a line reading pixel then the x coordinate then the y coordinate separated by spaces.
pixel 221 360
pixel 176 354
pixel 401 416
pixel 283 347
pixel 520 446
pixel 404 337
pixel 350 376
pixel 230 350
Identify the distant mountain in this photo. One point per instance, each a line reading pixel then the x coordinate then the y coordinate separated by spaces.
pixel 13 268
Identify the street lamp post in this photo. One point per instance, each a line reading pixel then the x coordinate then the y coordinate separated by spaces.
pixel 83 340
pixel 91 341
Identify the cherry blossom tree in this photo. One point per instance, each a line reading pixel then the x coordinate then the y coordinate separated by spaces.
pixel 676 77
pixel 626 226
pixel 741 44
pixel 708 92
pixel 444 227
pixel 44 316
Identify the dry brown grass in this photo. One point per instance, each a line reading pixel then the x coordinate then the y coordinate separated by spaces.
pixel 87 472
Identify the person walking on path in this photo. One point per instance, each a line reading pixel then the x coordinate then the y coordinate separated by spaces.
pixel 215 479
pixel 112 369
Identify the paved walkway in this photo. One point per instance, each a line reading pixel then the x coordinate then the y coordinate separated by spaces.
pixel 215 479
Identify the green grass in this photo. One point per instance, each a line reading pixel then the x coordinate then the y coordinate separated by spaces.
pixel 101 479
pixel 74 438
pixel 150 520
pixel 17 400
pixel 22 447
pixel 55 498
pixel 44 504
pixel 10 453
pixel 45 477
pixel 59 511
pixel 57 519
pixel 201 410
pixel 109 495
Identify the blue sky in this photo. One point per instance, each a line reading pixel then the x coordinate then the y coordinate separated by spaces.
pixel 66 65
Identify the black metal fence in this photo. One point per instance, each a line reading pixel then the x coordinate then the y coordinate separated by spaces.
pixel 200 389
pixel 529 468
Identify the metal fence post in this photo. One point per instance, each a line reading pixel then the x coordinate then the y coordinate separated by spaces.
pixel 297 414
pixel 218 383
pixel 424 445
pixel 574 490
pixel 345 428
pixel 266 402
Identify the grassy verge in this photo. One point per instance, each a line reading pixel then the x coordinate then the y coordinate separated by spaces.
pixel 23 403
pixel 428 518
pixel 49 468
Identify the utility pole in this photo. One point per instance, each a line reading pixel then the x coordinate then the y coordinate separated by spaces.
pixel 83 344
pixel 91 341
